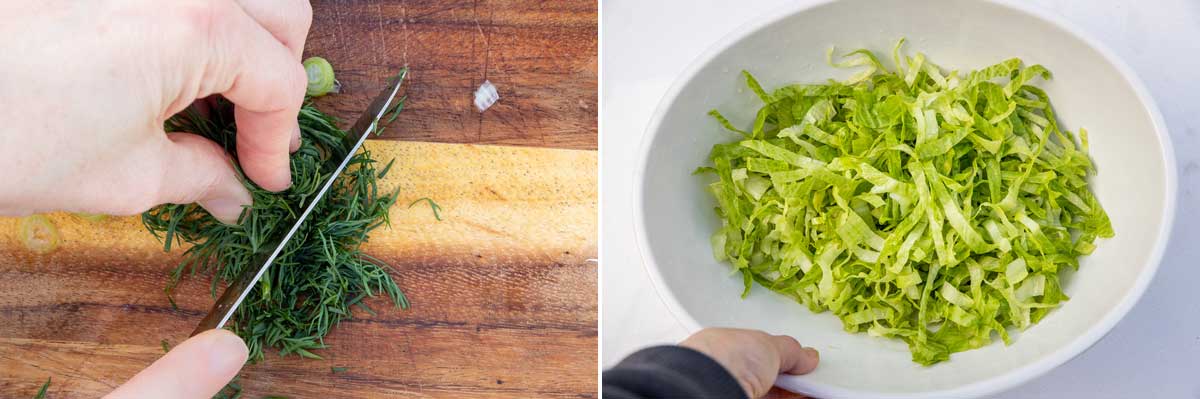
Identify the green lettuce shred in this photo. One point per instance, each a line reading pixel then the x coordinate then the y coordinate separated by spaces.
pixel 931 206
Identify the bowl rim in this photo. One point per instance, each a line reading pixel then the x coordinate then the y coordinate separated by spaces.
pixel 983 387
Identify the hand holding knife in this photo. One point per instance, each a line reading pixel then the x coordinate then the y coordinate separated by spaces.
pixel 233 296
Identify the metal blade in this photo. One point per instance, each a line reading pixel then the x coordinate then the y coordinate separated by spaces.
pixel 237 291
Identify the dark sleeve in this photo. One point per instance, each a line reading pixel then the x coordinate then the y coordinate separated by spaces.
pixel 670 372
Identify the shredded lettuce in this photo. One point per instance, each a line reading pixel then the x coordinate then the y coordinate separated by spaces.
pixel 930 206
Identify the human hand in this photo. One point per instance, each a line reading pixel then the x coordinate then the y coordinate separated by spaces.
pixel 198 368
pixel 87 85
pixel 754 358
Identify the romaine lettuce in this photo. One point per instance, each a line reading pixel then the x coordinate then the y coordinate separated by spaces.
pixel 931 206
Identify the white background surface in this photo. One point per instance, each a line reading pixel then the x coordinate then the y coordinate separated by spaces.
pixel 1154 352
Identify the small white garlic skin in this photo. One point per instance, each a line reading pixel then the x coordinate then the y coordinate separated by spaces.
pixel 485 96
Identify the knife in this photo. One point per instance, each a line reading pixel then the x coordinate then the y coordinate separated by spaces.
pixel 228 303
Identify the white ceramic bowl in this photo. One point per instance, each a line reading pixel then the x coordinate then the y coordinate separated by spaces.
pixel 1091 89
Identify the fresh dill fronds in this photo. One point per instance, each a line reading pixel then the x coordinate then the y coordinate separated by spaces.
pixel 336 370
pixel 437 209
pixel 321 271
pixel 233 390
pixel 395 111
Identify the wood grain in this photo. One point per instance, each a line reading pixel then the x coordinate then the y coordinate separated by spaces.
pixel 504 297
pixel 777 393
pixel 541 55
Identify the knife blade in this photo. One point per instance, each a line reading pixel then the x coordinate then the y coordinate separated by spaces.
pixel 233 296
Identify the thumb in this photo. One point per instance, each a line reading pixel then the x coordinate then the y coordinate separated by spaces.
pixel 196 169
pixel 794 358
pixel 196 369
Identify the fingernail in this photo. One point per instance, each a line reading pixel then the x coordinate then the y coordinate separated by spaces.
pixel 813 353
pixel 226 210
pixel 289 181
pixel 285 175
pixel 295 143
pixel 227 353
pixel 228 204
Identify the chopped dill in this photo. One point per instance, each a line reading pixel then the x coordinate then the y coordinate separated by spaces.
pixel 437 209
pixel 321 272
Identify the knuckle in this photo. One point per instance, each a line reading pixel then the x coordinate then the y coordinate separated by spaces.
pixel 296 82
pixel 757 387
pixel 203 177
pixel 790 340
pixel 763 339
pixel 305 12
pixel 207 187
pixel 199 17
pixel 203 188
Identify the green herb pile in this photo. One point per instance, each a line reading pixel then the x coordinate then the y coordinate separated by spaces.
pixel 912 203
pixel 321 272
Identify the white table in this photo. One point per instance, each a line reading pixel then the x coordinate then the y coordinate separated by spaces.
pixel 1154 352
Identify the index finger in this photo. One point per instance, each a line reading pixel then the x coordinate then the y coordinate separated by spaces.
pixel 266 83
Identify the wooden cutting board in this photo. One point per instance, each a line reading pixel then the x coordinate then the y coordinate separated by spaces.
pixel 541 55
pixel 503 295
pixel 504 300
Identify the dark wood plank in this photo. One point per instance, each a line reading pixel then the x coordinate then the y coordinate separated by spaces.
pixel 776 393
pixel 541 55
pixel 503 296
